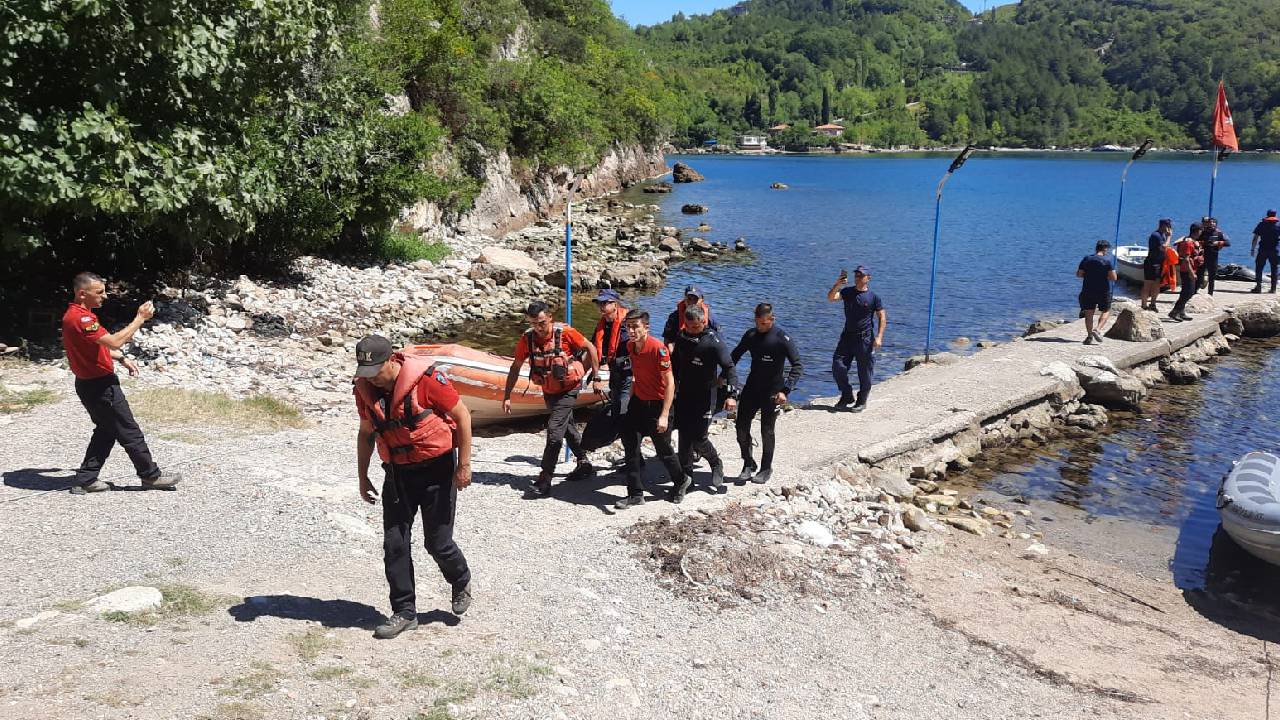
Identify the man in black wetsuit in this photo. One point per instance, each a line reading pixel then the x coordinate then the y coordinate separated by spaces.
pixel 1265 248
pixel 766 389
pixel 701 364
pixel 1212 240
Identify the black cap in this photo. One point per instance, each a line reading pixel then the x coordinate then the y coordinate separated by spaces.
pixel 692 290
pixel 371 352
pixel 1271 213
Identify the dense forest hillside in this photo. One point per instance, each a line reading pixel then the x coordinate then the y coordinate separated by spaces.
pixel 1039 73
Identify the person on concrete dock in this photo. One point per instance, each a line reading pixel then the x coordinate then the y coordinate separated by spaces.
pixel 91 353
pixel 702 365
pixel 1265 248
pixel 610 341
pixel 676 322
pixel 864 322
pixel 422 432
pixel 766 390
pixel 554 352
pixel 1187 247
pixel 653 390
pixel 1212 240
pixel 1097 273
pixel 1153 265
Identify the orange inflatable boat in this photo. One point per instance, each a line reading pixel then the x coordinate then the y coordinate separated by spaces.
pixel 480 378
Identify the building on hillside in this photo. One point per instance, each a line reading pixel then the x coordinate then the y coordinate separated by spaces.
pixel 830 130
pixel 753 142
pixel 740 9
pixel 779 128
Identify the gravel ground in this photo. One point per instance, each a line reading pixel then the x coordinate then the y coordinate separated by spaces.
pixel 568 621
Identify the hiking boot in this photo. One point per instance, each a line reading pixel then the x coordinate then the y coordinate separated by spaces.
pixel 846 399
pixel 1175 316
pixel 859 407
pixel 163 481
pixel 461 599
pixel 92 486
pixel 629 501
pixel 717 480
pixel 1184 316
pixel 396 624
pixel 584 471
pixel 1257 290
pixel 542 486
pixel 763 476
pixel 676 494
pixel 748 470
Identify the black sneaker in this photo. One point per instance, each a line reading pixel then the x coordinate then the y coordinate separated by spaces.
pixel 762 477
pixel 1089 340
pixel 862 405
pixel 676 493
pixel 584 471
pixel 1175 317
pixel 747 471
pixel 396 624
pixel 1257 290
pixel 542 486
pixel 717 480
pixel 1097 336
pixel 846 399
pixel 461 599
pixel 629 501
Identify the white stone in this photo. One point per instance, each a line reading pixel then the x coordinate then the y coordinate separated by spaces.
pixel 1059 370
pixel 1035 550
pixel 126 600
pixel 816 533
pixel 26 623
pixel 352 524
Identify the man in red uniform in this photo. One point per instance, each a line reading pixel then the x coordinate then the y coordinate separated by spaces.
pixel 653 389
pixel 554 351
pixel 91 351
pixel 422 432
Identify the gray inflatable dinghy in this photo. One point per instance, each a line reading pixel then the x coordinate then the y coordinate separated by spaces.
pixel 1249 504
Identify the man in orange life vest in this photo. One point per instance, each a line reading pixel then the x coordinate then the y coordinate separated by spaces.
pixel 652 392
pixel 610 341
pixel 423 435
pixel 676 321
pixel 91 351
pixel 553 350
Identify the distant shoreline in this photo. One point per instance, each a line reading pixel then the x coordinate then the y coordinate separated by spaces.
pixel 944 150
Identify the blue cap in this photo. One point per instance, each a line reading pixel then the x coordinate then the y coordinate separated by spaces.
pixel 608 295
pixel 862 270
pixel 693 290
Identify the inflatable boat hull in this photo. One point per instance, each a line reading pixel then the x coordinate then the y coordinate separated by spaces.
pixel 1249 505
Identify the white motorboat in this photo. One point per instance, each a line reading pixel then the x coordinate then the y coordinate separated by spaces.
pixel 1129 260
pixel 1249 505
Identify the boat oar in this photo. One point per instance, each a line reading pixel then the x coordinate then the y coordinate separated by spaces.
pixel 937 226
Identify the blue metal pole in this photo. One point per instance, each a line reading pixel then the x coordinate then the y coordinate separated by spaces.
pixel 1124 177
pixel 568 266
pixel 933 268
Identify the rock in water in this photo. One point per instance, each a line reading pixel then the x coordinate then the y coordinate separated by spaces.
pixel 682 173
pixel 778 186
pixel 1232 326
pixel 669 244
pixel 1182 373
pixel 1135 325
pixel 126 600
pixel 693 209
pixel 1111 389
pixel 1258 318
pixel 740 245
pixel 657 188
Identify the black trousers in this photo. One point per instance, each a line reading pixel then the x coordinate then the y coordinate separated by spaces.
pixel 693 423
pixel 426 487
pixel 749 404
pixel 607 425
pixel 112 423
pixel 642 422
pixel 1187 285
pixel 1266 256
pixel 560 428
pixel 1207 272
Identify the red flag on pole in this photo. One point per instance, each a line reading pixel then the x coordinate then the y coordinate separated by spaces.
pixel 1224 131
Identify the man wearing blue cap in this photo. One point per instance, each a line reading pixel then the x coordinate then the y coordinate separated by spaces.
pixel 864 321
pixel 610 340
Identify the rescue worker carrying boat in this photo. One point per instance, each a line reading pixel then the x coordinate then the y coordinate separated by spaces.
pixel 422 432
pixel 554 352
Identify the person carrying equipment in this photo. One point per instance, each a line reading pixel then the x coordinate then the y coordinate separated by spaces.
pixel 610 341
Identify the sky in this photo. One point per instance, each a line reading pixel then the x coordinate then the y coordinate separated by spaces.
pixel 650 12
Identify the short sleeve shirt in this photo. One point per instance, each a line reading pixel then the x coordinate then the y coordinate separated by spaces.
pixel 1268 232
pixel 1097 269
pixel 648 365
pixel 434 392
pixel 1155 249
pixel 860 308
pixel 571 341
pixel 80 332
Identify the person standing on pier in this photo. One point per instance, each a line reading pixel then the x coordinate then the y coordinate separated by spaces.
pixel 554 352
pixel 653 389
pixel 702 364
pixel 91 353
pixel 1153 266
pixel 864 322
pixel 1212 240
pixel 1187 248
pixel 766 390
pixel 1097 273
pixel 610 341
pixel 1265 248
pixel 422 432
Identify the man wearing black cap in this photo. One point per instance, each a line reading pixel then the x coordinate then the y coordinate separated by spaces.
pixel 610 340
pixel 676 321
pixel 765 390
pixel 1266 240
pixel 422 432
pixel 1153 266
pixel 864 320
pixel 1212 240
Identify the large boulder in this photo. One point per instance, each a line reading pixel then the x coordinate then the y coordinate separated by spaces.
pixel 1232 326
pixel 502 265
pixel 126 600
pixel 1117 390
pixel 693 209
pixel 669 244
pixel 658 188
pixel 631 274
pixel 682 173
pixel 1181 372
pixel 586 276
pixel 700 245
pixel 1202 304
pixel 1040 326
pixel 1133 324
pixel 1258 318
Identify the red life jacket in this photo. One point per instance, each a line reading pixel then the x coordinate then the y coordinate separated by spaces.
pixel 555 370
pixel 608 351
pixel 706 312
pixel 405 431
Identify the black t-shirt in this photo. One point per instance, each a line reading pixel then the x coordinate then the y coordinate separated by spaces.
pixel 1155 249
pixel 1096 270
pixel 1268 232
